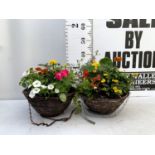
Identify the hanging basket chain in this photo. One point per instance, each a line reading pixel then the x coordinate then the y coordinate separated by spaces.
pixel 54 120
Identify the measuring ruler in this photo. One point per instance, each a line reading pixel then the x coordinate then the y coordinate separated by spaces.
pixel 79 40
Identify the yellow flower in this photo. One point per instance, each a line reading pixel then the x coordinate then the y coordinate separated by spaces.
pixel 52 62
pixel 114 80
pixel 120 91
pixel 116 90
pixel 105 74
pixel 95 64
pixel 103 81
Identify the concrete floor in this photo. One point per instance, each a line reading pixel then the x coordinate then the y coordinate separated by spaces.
pixel 137 117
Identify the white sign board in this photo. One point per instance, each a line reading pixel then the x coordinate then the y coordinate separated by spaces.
pixel 131 39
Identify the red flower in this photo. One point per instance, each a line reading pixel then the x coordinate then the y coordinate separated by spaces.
pixel 64 73
pixel 85 73
pixel 58 76
pixel 97 78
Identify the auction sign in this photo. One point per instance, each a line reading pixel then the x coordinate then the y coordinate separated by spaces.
pixel 131 39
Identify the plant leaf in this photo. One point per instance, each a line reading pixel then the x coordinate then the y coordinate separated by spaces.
pixel 63 97
pixel 106 61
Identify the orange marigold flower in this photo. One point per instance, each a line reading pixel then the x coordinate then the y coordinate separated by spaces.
pixel 44 71
pixel 38 69
pixel 118 59
pixel 41 71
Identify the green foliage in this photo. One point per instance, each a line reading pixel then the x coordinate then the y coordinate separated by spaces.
pixel 46 75
pixel 103 79
pixel 95 79
pixel 77 104
pixel 106 62
pixel 85 87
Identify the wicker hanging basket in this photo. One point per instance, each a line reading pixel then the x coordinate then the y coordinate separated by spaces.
pixel 49 107
pixel 104 105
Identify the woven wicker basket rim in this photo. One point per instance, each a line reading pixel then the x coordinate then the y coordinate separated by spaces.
pixel 25 91
pixel 108 99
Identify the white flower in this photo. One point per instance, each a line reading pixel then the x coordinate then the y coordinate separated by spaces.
pixel 36 84
pixel 121 70
pixel 26 73
pixel 74 85
pixel 57 91
pixel 50 86
pixel 95 87
pixel 32 94
pixel 36 90
pixel 43 86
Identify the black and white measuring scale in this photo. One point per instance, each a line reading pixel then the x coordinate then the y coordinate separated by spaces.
pixel 79 39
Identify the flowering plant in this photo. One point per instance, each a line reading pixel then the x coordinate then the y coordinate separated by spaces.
pixel 49 80
pixel 102 78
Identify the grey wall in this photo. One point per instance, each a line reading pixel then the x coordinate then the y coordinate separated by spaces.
pixel 25 43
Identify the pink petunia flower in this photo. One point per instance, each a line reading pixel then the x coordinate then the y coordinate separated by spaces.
pixel 64 73
pixel 58 76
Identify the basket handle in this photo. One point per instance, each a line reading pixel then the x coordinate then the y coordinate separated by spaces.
pixel 54 120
